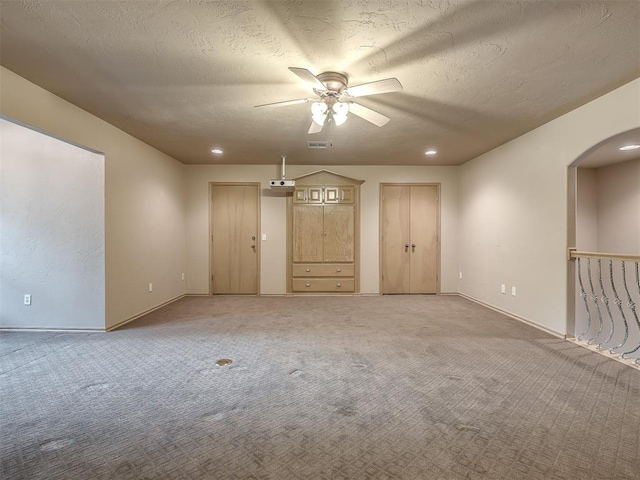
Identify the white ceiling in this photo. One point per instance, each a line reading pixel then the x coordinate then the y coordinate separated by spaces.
pixel 184 76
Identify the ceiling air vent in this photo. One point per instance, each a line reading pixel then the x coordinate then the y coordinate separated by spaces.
pixel 319 144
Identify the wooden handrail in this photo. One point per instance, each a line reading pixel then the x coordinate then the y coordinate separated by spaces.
pixel 574 253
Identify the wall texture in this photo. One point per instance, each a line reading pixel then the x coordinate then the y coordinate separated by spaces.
pixel 51 232
pixel 144 199
pixel 513 218
pixel 608 208
pixel 618 203
pixel 274 215
pixel 587 210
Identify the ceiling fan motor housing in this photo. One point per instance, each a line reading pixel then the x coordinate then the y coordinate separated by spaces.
pixel 335 82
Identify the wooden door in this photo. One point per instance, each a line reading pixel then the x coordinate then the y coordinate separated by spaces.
pixel 234 239
pixel 424 239
pixel 338 233
pixel 409 239
pixel 307 233
pixel 395 238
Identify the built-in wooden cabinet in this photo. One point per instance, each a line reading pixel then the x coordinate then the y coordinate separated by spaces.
pixel 324 234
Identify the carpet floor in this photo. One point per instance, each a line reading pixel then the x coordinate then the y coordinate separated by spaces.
pixel 323 388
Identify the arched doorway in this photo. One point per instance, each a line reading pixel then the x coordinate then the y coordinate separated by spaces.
pixel 604 244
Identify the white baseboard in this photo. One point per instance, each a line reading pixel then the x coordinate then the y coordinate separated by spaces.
pixel 515 317
pixel 52 329
pixel 605 353
pixel 142 314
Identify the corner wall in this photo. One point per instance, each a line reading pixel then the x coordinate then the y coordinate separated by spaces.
pixel 274 216
pixel 51 232
pixel 513 209
pixel 144 199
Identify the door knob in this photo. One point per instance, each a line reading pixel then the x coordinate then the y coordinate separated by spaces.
pixel 413 247
pixel 253 246
pixel 406 247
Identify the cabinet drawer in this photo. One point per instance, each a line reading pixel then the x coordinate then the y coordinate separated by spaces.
pixel 323 285
pixel 322 270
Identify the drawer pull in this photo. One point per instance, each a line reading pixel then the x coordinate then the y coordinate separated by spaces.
pixel 338 270
pixel 338 285
pixel 308 285
pixel 307 269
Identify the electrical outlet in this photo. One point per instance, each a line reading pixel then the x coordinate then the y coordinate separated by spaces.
pixel 151 287
pixel 460 275
pixel 513 291
pixel 27 299
pixel 503 288
pixel 182 275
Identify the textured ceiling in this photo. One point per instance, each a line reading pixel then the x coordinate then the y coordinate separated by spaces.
pixel 184 76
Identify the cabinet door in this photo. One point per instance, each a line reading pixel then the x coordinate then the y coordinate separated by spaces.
pixel 300 195
pixel 314 194
pixel 307 233
pixel 347 194
pixel 331 195
pixel 339 240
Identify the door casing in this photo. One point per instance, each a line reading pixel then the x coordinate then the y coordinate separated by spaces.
pixel 258 242
pixel 438 235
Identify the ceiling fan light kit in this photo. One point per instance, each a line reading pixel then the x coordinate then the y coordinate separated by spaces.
pixel 335 98
pixel 338 112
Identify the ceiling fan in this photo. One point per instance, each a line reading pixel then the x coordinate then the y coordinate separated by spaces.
pixel 335 98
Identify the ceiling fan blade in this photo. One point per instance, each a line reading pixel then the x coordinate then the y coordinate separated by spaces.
pixel 308 77
pixel 285 103
pixel 368 114
pixel 373 88
pixel 315 128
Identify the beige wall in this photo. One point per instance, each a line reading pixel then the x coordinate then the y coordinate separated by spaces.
pixel 51 232
pixel 503 214
pixel 618 203
pixel 274 214
pixel 587 210
pixel 144 198
pixel 513 209
pixel 608 208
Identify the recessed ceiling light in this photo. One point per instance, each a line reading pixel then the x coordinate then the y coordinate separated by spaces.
pixel 217 151
pixel 629 147
pixel 430 152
